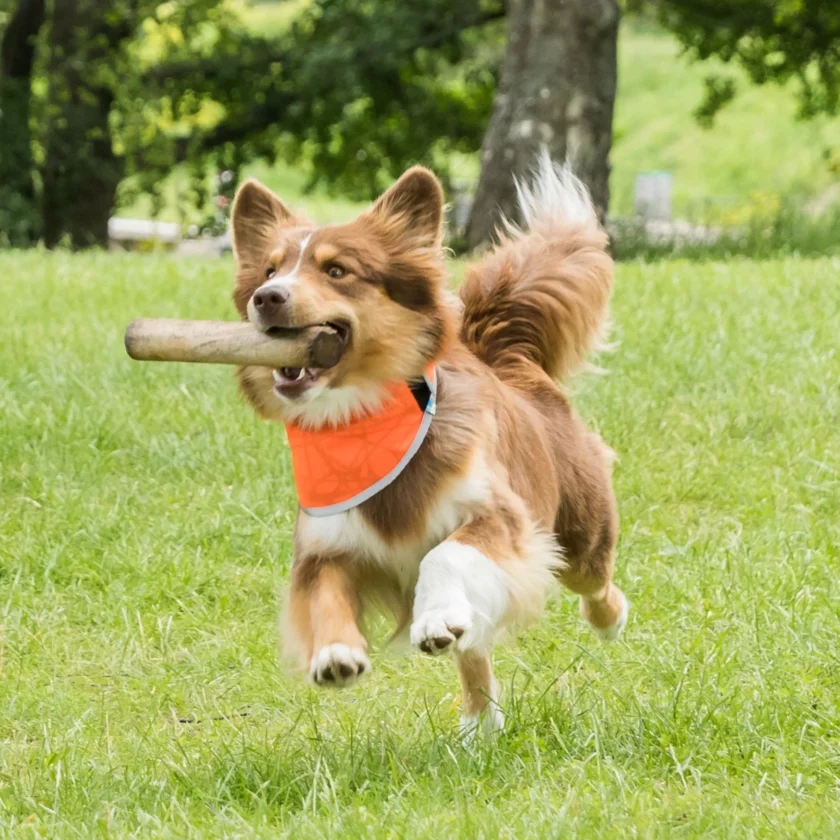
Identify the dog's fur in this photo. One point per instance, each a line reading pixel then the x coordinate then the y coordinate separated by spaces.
pixel 509 491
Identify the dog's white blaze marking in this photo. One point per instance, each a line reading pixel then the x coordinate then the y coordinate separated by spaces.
pixel 284 281
pixel 290 279
pixel 458 586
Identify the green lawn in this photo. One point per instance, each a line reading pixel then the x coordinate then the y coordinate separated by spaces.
pixel 145 521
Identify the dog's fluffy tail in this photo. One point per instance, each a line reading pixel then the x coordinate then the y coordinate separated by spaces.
pixel 540 296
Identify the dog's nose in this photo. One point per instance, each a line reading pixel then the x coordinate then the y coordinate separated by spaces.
pixel 270 299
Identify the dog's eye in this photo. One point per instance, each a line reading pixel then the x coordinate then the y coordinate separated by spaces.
pixel 269 273
pixel 335 271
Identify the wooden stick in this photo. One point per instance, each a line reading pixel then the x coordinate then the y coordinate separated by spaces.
pixel 231 343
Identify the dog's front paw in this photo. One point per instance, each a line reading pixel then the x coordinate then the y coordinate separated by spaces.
pixel 435 631
pixel 338 665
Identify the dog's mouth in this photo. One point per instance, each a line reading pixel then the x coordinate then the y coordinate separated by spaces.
pixel 291 382
pixel 294 382
pixel 340 327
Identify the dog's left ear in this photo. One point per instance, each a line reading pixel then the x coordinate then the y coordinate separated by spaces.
pixel 413 207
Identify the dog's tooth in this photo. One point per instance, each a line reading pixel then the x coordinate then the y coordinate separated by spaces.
pixel 277 375
pixel 301 374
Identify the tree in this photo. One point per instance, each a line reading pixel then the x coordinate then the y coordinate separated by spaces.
pixel 18 202
pixel 89 55
pixel 93 70
pixel 417 82
pixel 81 171
pixel 557 90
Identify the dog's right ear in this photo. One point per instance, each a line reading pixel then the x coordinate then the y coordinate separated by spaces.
pixel 256 217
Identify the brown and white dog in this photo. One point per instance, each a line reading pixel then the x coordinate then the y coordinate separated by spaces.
pixel 508 492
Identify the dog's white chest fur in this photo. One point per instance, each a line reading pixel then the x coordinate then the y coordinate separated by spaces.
pixel 349 533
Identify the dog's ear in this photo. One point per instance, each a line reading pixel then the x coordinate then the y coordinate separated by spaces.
pixel 256 217
pixel 413 207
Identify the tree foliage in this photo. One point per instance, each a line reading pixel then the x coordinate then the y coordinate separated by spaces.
pixel 774 41
pixel 353 90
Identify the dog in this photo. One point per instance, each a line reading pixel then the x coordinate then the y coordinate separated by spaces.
pixel 464 531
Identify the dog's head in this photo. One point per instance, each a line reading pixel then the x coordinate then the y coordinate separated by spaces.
pixel 379 281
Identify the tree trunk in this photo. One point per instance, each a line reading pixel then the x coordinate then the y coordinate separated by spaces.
pixel 557 89
pixel 19 214
pixel 81 172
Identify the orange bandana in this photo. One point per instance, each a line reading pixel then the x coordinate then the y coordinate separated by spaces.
pixel 338 469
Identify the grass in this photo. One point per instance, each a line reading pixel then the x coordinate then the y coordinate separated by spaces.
pixel 145 527
pixel 785 230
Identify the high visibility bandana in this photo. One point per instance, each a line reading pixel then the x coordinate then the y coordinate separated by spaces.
pixel 338 469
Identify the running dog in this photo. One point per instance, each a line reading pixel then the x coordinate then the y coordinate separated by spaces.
pixel 441 470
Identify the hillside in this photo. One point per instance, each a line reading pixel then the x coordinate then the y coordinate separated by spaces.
pixel 756 145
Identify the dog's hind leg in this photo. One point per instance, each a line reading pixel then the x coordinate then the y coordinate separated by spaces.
pixel 589 533
pixel 606 610
pixel 480 695
pixel 602 603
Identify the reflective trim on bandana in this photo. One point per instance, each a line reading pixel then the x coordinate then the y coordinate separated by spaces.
pixel 338 469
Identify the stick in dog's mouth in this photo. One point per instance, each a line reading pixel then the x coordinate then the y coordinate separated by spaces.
pixel 236 343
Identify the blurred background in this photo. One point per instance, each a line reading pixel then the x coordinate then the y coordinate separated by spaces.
pixel 700 126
